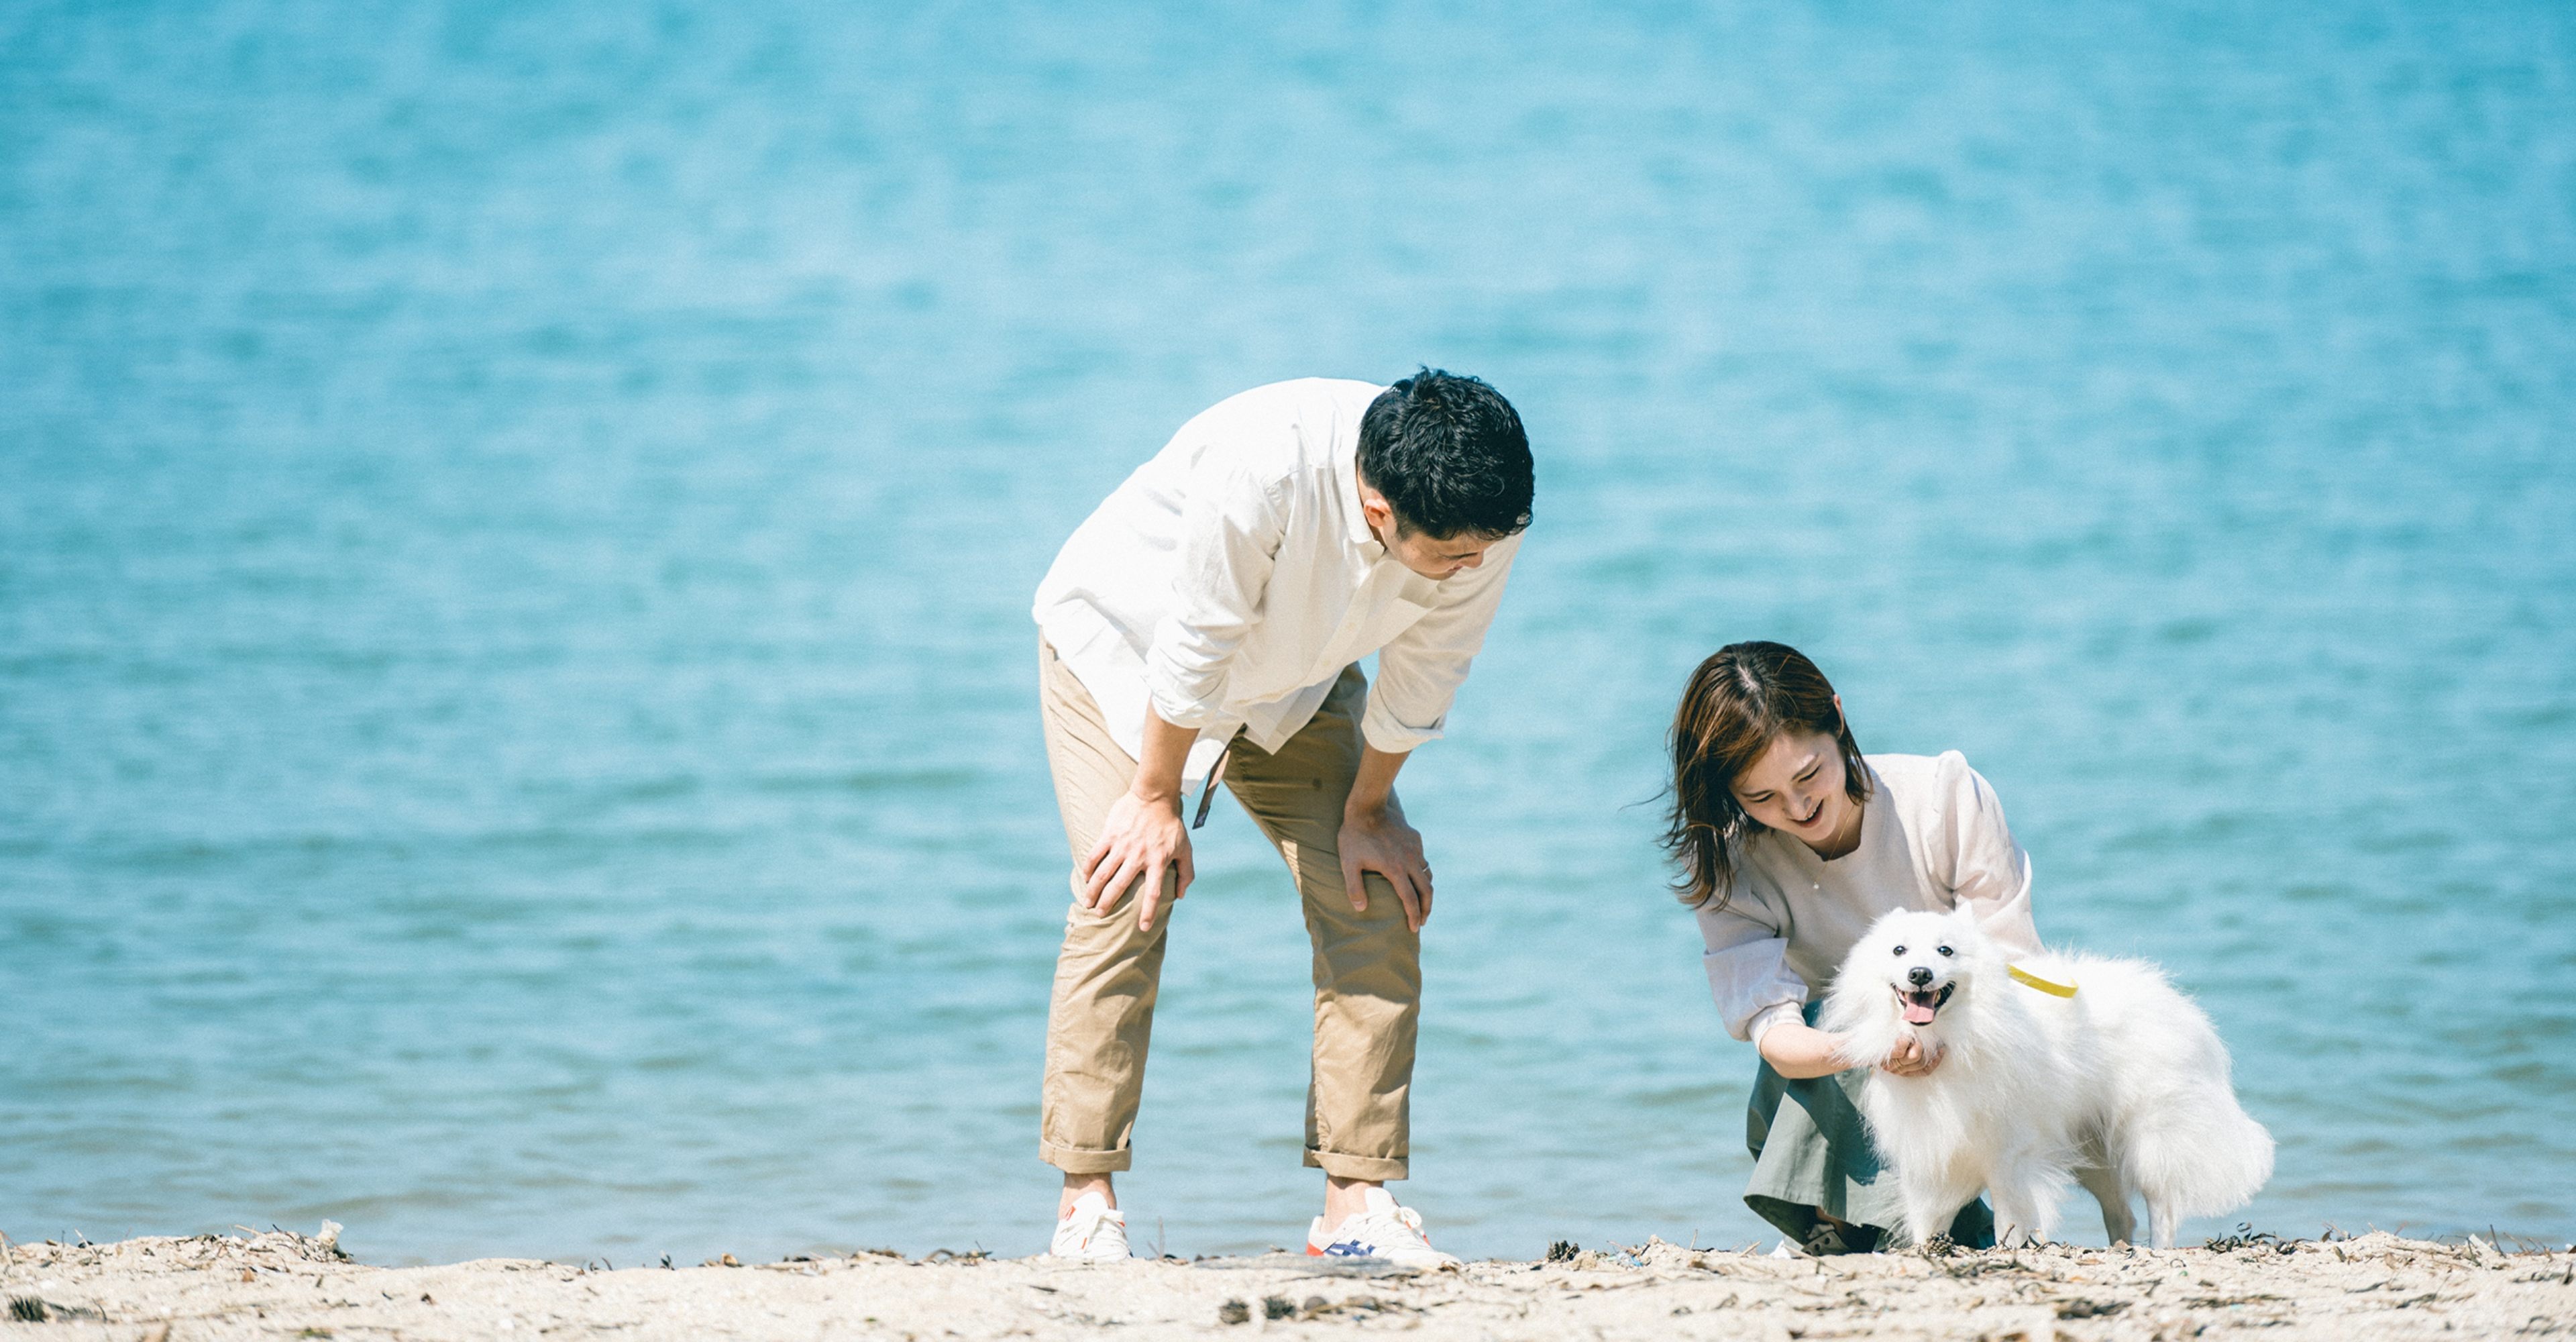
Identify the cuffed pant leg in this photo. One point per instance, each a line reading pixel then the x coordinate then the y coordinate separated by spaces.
pixel 1101 1017
pixel 1098 1027
pixel 1368 1005
pixel 1368 966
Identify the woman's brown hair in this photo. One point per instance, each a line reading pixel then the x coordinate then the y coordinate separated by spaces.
pixel 1744 697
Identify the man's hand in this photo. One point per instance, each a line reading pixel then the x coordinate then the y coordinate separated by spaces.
pixel 1375 838
pixel 1909 1058
pixel 1380 841
pixel 1142 837
pixel 1142 834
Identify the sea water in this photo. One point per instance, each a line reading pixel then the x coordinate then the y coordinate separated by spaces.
pixel 517 723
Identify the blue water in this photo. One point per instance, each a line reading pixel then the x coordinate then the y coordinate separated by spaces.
pixel 516 525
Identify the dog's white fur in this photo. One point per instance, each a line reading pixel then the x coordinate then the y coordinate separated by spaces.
pixel 2122 1088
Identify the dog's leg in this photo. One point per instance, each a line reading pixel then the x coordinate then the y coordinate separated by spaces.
pixel 2161 1221
pixel 2015 1219
pixel 2104 1184
pixel 1931 1203
pixel 2023 1200
pixel 2046 1201
pixel 1927 1212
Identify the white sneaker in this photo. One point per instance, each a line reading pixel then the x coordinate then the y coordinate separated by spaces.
pixel 1380 1229
pixel 1093 1231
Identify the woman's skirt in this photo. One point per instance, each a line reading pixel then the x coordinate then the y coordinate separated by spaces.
pixel 1811 1153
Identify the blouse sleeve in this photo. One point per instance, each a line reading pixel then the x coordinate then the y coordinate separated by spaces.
pixel 1748 971
pixel 1989 873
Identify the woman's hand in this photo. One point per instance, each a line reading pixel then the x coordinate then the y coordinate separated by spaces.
pixel 1911 1058
pixel 1142 837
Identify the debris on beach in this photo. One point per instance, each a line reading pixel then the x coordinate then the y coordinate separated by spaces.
pixel 281 1284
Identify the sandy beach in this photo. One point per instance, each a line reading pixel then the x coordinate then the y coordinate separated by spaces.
pixel 282 1285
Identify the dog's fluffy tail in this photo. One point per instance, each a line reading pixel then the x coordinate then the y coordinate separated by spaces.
pixel 2201 1159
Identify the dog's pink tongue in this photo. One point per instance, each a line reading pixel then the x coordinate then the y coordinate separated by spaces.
pixel 1917 1014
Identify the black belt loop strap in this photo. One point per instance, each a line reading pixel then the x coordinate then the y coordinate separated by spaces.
pixel 1207 795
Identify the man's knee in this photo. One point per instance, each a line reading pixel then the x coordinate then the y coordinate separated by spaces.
pixel 1124 901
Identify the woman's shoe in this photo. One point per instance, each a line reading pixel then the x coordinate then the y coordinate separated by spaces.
pixel 1828 1238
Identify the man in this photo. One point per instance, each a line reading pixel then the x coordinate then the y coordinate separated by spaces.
pixel 1206 621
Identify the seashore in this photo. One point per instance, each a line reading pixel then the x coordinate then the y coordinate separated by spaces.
pixel 284 1285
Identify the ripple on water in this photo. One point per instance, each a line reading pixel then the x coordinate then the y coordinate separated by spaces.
pixel 515 682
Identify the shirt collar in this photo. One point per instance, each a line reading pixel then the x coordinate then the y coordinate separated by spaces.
pixel 1346 470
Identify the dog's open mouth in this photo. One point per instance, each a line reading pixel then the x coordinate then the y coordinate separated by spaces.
pixel 1921 1007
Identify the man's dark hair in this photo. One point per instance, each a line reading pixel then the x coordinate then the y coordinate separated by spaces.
pixel 1450 455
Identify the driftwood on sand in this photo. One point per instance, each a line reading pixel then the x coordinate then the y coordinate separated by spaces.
pixel 282 1285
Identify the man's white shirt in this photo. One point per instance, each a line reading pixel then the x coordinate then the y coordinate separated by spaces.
pixel 1230 579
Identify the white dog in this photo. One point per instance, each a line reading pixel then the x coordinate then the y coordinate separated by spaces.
pixel 2121 1086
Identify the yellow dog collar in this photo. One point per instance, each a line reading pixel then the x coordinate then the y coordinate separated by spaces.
pixel 2029 979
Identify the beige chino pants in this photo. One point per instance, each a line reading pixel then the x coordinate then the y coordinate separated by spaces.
pixel 1368 966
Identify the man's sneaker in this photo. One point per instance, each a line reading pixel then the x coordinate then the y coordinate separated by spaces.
pixel 1092 1231
pixel 1380 1229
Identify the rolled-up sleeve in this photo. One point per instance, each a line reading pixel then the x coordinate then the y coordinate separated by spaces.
pixel 1990 875
pixel 1748 973
pixel 1419 671
pixel 1229 542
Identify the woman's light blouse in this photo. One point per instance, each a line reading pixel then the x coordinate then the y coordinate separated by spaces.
pixel 1932 837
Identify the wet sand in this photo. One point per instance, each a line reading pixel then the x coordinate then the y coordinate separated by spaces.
pixel 281 1285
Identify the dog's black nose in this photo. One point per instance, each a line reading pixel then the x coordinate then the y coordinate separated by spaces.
pixel 1921 978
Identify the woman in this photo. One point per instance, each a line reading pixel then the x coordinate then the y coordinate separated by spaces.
pixel 1790 845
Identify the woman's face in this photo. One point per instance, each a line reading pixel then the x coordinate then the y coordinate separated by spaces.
pixel 1796 787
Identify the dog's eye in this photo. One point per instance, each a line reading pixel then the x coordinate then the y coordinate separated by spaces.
pixel 1945 950
pixel 1900 950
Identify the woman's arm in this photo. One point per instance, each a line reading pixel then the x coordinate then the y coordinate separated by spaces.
pixel 1798 1050
pixel 1749 975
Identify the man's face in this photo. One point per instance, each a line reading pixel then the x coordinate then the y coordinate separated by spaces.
pixel 1439 559
pixel 1436 559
